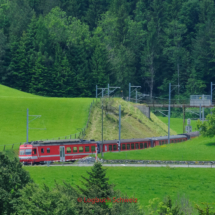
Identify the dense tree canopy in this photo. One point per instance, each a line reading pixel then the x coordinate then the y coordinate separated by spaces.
pixel 65 47
pixel 12 178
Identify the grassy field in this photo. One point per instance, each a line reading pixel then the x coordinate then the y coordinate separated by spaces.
pixel 198 185
pixel 59 116
pixel 177 124
pixel 196 149
pixel 134 124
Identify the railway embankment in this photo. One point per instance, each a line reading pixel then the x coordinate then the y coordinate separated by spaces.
pixel 134 124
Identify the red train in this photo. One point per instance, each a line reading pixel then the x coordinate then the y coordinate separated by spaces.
pixel 70 150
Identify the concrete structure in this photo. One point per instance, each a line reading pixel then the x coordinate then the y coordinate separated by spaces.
pixel 204 100
pixel 144 109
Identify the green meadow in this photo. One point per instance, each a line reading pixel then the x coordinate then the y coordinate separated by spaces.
pixel 176 124
pixel 144 183
pixel 197 149
pixel 59 116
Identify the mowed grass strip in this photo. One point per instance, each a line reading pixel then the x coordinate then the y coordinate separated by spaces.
pixel 144 183
pixel 176 124
pixel 59 116
pixel 197 149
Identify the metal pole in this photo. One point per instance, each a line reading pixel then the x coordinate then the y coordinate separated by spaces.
pixel 136 95
pixel 183 118
pixel 27 128
pixel 102 93
pixel 129 92
pixel 119 146
pixel 96 91
pixel 200 112
pixel 102 131
pixel 211 92
pixel 203 114
pixel 96 155
pixel 108 89
pixel 169 113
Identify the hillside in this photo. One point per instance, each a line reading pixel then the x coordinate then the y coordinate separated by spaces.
pixel 177 124
pixel 134 124
pixel 59 116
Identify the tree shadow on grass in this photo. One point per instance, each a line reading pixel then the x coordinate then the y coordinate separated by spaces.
pixel 210 144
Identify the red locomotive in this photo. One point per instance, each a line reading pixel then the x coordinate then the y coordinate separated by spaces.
pixel 70 150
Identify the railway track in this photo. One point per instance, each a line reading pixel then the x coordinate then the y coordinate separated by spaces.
pixel 132 165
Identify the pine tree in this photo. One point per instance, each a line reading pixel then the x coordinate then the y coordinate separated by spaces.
pixel 42 78
pixel 79 64
pixel 19 65
pixel 75 8
pixel 97 186
pixel 96 8
pixel 99 67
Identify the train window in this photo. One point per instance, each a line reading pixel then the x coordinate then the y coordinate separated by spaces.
pixel 114 147
pixel 132 146
pixel 42 150
pixel 81 148
pixel 87 148
pixel 75 149
pixel 110 147
pixel 141 145
pixel 68 149
pixel 93 148
pixel 123 146
pixel 137 145
pixel 48 150
pixel 159 142
pixel 128 146
pixel 145 145
pixel 34 151
pixel 21 152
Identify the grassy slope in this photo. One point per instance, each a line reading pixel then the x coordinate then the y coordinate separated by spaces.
pixel 145 183
pixel 177 124
pixel 60 116
pixel 134 124
pixel 192 150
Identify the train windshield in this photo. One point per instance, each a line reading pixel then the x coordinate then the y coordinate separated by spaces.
pixel 28 152
pixel 25 152
pixel 21 152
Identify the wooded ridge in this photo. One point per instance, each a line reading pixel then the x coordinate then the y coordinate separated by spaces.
pixel 65 47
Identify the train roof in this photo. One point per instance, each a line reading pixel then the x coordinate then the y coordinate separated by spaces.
pixel 60 142
pixel 171 137
pixel 192 134
pixel 142 139
pixel 80 141
pixel 125 140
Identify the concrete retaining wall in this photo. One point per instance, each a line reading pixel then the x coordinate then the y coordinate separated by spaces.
pixel 145 110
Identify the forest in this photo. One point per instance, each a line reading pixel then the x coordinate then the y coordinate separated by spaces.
pixel 64 48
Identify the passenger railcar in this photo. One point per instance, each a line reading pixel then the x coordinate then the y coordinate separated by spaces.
pixel 56 150
pixel 70 150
